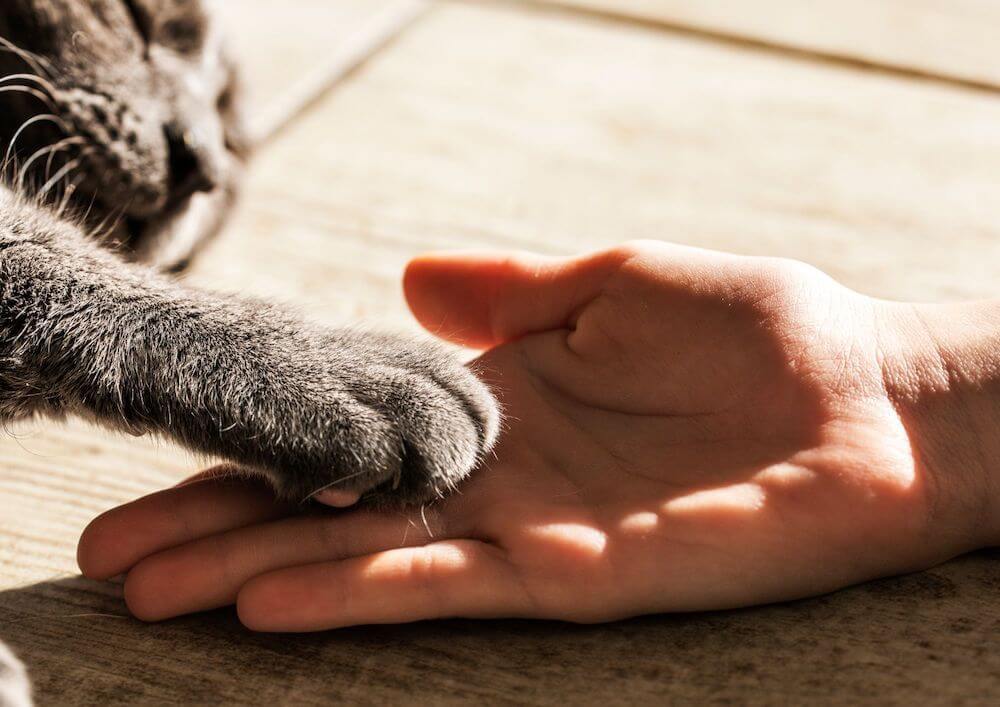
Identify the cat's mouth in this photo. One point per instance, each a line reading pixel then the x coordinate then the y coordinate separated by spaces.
pixel 195 211
pixel 170 239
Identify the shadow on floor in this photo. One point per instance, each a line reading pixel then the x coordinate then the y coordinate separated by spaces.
pixel 932 636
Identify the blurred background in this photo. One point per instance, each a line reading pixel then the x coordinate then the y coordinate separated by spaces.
pixel 862 136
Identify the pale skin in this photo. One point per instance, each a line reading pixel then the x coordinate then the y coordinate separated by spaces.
pixel 685 430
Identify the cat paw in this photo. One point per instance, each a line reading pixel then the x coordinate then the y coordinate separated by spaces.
pixel 380 418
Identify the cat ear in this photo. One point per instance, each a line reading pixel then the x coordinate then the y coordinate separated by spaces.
pixel 485 299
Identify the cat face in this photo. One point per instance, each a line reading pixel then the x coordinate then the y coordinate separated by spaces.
pixel 139 99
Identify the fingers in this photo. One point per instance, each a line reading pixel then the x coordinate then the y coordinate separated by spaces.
pixel 459 578
pixel 485 299
pixel 118 539
pixel 207 572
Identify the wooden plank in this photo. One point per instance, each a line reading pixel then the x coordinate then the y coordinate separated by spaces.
pixel 344 57
pixel 488 127
pixel 927 639
pixel 564 135
pixel 280 42
pixel 954 39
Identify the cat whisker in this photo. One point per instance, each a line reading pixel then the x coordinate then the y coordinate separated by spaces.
pixel 44 97
pixel 67 195
pixel 40 65
pixel 62 144
pixel 321 489
pixel 33 78
pixel 48 162
pixel 58 176
pixel 46 117
pixel 110 220
pixel 423 517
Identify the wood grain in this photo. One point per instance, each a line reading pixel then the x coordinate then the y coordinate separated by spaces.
pixel 493 126
pixel 280 43
pixel 591 134
pixel 928 639
pixel 953 39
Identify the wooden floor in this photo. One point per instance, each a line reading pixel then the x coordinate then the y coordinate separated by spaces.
pixel 862 136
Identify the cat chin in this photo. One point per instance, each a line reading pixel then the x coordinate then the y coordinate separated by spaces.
pixel 169 242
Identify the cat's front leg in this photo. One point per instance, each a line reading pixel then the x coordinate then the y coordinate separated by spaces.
pixel 310 407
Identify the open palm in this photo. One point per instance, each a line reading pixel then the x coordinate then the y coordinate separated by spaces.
pixel 685 430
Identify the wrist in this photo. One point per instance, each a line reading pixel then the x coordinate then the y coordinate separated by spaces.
pixel 941 370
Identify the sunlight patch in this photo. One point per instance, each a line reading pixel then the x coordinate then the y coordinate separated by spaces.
pixel 736 498
pixel 574 536
pixel 639 523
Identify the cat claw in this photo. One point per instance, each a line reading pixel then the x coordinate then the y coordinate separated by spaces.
pixel 337 498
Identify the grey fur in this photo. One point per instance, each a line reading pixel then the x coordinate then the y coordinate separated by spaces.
pixel 148 101
pixel 82 332
pixel 146 98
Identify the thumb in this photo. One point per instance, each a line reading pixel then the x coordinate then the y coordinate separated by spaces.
pixel 483 299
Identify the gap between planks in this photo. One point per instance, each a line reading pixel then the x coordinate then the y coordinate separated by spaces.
pixel 569 8
pixel 383 29
pixel 377 34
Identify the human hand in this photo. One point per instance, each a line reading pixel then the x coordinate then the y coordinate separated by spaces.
pixel 685 430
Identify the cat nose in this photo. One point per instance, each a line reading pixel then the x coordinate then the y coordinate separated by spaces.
pixel 189 170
